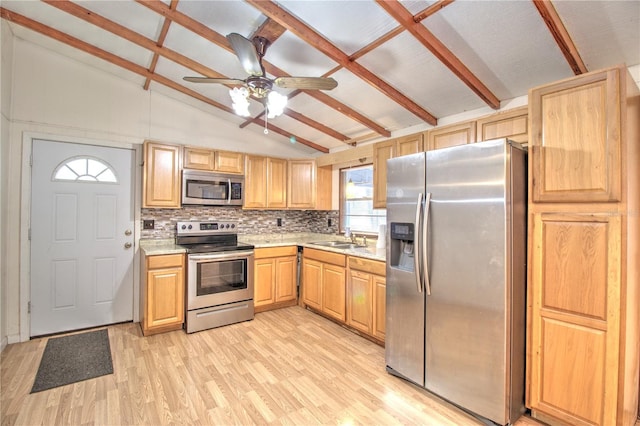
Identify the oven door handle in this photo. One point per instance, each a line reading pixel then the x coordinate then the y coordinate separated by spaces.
pixel 221 256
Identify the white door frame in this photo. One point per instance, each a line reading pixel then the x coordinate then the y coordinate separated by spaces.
pixel 25 219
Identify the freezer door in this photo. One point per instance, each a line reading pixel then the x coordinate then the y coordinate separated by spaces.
pixel 404 336
pixel 467 312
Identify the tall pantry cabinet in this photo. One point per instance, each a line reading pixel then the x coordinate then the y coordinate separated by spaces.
pixel 584 236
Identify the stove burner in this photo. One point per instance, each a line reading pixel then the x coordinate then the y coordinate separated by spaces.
pixel 209 237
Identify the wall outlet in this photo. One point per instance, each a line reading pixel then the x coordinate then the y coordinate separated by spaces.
pixel 329 222
pixel 148 224
pixel 279 221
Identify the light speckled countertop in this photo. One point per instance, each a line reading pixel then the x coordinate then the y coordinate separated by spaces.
pixel 153 247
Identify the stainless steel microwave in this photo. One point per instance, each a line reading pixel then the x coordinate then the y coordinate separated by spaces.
pixel 212 189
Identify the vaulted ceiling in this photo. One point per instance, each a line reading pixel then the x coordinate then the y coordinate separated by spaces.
pixel 398 64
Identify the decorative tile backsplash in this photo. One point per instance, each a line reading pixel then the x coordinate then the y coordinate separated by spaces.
pixel 249 221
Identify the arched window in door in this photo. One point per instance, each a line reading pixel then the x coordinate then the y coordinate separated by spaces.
pixel 84 169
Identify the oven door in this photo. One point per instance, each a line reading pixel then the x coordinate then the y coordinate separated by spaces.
pixel 219 278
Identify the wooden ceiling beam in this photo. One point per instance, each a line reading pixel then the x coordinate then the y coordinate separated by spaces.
pixel 561 35
pixel 439 50
pixel 431 10
pixel 160 7
pixel 128 65
pixel 270 30
pixel 306 33
pixel 163 35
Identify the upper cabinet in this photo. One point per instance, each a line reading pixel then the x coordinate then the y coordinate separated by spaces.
pixel 215 161
pixel 575 138
pixel 161 175
pixel 382 151
pixel 512 124
pixel 453 135
pixel 309 186
pixel 265 182
pixel 406 145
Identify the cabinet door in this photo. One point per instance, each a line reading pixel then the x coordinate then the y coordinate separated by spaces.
pixel 264 281
pixel 165 297
pixel 457 134
pixel 511 124
pixel 276 183
pixel 406 145
pixel 301 189
pixel 161 176
pixel 334 291
pixel 197 158
pixel 255 182
pixel 286 270
pixel 575 139
pixel 312 283
pixel 575 317
pixel 379 306
pixel 229 162
pixel 359 312
pixel 382 151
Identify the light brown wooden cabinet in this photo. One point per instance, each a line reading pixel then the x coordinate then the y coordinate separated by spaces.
pixel 162 293
pixel 214 161
pixel 366 296
pixel 275 272
pixel 161 175
pixel 583 288
pixel 265 182
pixel 324 282
pixel 308 186
pixel 452 135
pixel 512 124
pixel 382 151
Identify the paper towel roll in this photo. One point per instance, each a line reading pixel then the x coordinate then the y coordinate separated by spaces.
pixel 382 232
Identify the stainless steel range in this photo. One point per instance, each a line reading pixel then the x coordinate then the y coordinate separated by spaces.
pixel 219 274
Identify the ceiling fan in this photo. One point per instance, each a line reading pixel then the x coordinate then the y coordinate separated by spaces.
pixel 258 85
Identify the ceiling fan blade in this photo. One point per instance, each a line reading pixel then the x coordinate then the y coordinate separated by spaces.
pixel 312 83
pixel 213 80
pixel 246 53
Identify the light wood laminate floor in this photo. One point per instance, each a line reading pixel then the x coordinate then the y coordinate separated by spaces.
pixel 288 366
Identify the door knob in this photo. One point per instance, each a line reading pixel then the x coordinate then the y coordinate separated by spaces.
pixel 127 232
pixel 127 245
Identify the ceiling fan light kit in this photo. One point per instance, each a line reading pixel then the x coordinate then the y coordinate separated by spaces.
pixel 258 85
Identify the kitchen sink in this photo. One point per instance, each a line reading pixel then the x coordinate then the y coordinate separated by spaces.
pixel 336 244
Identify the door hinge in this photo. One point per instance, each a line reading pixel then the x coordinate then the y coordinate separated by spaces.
pixel 31 160
pixel 29 235
pixel 29 307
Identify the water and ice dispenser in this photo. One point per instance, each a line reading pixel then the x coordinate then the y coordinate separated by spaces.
pixel 401 246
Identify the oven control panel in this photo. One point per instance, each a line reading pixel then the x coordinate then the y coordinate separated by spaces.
pixel 207 228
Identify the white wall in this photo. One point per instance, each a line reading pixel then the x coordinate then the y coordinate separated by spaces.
pixel 6 62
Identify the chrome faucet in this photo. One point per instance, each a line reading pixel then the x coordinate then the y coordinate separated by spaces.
pixel 353 238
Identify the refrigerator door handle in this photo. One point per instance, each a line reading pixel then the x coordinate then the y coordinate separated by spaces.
pixel 425 242
pixel 417 245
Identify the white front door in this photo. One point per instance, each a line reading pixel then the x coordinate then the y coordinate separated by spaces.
pixel 81 236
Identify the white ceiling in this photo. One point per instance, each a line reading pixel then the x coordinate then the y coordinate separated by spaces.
pixel 505 44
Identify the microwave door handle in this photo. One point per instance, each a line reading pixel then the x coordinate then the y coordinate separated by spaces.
pixel 229 191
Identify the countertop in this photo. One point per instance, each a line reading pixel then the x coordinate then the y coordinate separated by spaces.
pixel 152 247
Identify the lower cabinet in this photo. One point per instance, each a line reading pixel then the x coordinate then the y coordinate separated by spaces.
pixel 349 289
pixel 366 296
pixel 324 283
pixel 162 293
pixel 275 271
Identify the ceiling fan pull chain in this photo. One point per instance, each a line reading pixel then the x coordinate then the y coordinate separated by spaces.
pixel 266 117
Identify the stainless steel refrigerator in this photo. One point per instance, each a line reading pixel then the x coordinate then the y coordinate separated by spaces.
pixel 456 274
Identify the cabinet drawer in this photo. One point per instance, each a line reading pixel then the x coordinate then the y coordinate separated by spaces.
pixel 326 256
pixel 266 252
pixel 164 261
pixel 367 265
